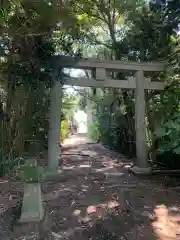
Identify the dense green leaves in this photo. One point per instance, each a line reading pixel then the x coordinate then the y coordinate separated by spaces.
pixel 26 47
pixel 169 135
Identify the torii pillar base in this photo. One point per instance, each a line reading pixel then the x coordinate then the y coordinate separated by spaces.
pixel 141 171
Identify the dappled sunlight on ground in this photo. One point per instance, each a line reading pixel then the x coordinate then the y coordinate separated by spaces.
pixel 73 166
pixel 99 200
pixel 99 211
pixel 103 169
pixel 167 222
pixel 79 139
pixel 90 153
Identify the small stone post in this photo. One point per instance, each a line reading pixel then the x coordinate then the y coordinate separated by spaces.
pixel 32 206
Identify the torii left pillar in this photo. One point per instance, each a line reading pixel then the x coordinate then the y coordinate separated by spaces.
pixel 55 124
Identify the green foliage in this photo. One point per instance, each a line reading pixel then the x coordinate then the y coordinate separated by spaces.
pixel 108 137
pixel 93 131
pixel 5 164
pixel 30 174
pixel 169 136
pixel 7 160
pixel 26 71
pixel 69 105
pixel 64 130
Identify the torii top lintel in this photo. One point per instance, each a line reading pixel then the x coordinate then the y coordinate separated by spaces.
pixel 115 65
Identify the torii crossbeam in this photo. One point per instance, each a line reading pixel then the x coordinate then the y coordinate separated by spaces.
pixel 100 69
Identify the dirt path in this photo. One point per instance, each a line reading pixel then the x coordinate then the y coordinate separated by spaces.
pixel 100 200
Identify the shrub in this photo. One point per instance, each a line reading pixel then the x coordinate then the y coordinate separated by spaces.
pixel 169 136
pixel 108 137
pixel 93 131
pixel 168 143
pixel 64 130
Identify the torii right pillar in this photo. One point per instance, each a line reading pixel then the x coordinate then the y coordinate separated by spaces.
pixel 142 166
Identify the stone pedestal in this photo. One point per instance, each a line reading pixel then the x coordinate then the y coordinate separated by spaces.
pixel 140 171
pixel 32 209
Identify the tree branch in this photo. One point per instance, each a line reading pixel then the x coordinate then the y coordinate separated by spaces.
pixel 95 41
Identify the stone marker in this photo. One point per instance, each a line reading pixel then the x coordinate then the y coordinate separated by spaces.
pixel 32 208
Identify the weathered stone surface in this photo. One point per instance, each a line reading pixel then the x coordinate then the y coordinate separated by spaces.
pixel 32 209
pixel 140 171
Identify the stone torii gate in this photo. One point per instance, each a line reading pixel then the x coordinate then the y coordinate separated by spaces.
pixel 99 69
